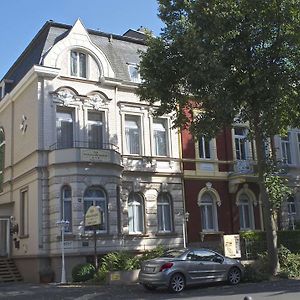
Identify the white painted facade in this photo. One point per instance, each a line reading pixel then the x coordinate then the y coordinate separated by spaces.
pixel 37 168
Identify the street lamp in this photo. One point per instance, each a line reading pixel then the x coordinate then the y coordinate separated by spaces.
pixel 62 226
pixel 185 218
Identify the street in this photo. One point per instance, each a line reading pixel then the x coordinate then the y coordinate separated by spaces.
pixel 275 290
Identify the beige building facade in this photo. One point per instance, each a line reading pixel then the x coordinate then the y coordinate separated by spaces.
pixel 75 134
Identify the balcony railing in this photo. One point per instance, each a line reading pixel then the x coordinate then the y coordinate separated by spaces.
pixel 84 145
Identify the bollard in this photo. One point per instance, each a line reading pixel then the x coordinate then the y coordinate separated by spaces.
pixel 248 298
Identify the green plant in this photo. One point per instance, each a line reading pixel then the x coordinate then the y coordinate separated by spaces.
pixel 289 263
pixel 149 254
pixel 257 271
pixel 83 272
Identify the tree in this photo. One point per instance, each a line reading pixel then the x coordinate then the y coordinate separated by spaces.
pixel 236 60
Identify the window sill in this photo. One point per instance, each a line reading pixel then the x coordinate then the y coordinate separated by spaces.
pixel 25 236
pixel 167 234
pixel 211 233
pixel 129 235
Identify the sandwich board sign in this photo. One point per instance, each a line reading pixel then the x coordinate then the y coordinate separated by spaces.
pixel 93 216
pixel 232 245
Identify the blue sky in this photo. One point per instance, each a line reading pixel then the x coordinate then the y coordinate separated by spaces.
pixel 21 20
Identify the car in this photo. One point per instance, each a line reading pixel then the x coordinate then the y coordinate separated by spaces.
pixel 178 268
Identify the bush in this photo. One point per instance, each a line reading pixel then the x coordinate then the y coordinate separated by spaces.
pixel 124 261
pixel 257 271
pixel 83 272
pixel 289 263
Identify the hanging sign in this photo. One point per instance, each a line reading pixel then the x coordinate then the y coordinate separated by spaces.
pixel 93 216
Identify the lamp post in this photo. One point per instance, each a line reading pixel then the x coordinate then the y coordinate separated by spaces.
pixel 185 219
pixel 62 225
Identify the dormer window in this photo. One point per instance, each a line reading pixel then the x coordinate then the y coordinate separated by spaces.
pixel 78 64
pixel 134 73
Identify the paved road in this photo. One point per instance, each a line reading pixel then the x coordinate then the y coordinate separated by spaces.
pixel 275 290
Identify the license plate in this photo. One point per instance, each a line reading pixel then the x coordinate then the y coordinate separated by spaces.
pixel 149 269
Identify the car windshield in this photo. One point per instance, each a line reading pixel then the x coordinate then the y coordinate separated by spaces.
pixel 173 253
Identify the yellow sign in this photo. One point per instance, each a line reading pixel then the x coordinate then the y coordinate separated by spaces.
pixel 232 246
pixel 93 216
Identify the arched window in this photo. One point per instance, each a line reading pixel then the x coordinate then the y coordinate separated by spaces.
pixel 208 209
pixel 2 152
pixel 246 212
pixel 135 213
pixel 164 212
pixel 66 206
pixel 97 197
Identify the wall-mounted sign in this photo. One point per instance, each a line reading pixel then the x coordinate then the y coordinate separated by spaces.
pixel 95 155
pixel 232 245
pixel 93 216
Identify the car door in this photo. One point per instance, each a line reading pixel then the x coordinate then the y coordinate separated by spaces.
pixel 211 267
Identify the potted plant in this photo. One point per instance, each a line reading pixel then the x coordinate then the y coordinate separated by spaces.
pixel 46 275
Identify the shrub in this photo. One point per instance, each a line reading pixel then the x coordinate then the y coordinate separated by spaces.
pixel 289 263
pixel 257 271
pixel 83 272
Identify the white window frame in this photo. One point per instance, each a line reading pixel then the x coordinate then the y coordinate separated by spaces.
pixel 242 142
pixel 64 201
pixel 24 212
pixel 164 206
pixel 78 64
pixel 134 69
pixel 204 205
pixel 136 209
pixel 138 120
pixel 242 204
pixel 202 143
pixel 96 201
pixel 100 143
pixel 59 140
pixel 286 149
pixel 155 124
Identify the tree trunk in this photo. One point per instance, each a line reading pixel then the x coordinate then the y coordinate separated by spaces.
pixel 270 226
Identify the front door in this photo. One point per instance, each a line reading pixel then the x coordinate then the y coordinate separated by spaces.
pixel 4 237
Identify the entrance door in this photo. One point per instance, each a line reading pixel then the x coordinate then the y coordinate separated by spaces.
pixel 4 236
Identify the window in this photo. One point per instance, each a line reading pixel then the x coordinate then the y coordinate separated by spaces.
pixel 241 143
pixel 204 148
pixel 246 212
pixel 64 127
pixel 135 213
pixel 2 152
pixel 208 212
pixel 133 134
pixel 291 209
pixel 205 255
pixel 134 73
pixel 164 212
pixel 96 196
pixel 66 207
pixel 24 211
pixel 160 137
pixel 95 130
pixel 78 64
pixel 286 149
pixel 298 135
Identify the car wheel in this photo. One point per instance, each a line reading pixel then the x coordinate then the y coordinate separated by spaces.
pixel 234 276
pixel 177 283
pixel 149 287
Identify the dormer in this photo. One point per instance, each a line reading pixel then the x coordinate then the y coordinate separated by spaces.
pixel 78 57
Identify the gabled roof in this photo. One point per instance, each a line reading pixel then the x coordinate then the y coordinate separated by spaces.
pixel 120 50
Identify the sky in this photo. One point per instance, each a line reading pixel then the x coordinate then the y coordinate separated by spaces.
pixel 20 20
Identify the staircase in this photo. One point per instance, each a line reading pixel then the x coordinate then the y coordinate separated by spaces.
pixel 9 271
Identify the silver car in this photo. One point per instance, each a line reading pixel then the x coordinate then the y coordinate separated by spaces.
pixel 179 268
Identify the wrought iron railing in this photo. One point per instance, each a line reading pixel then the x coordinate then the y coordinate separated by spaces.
pixel 84 144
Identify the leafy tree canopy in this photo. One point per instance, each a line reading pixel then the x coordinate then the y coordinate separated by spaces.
pixel 234 58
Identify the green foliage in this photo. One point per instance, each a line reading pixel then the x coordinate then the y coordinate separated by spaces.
pixel 257 271
pixel 276 185
pixel 289 263
pixel 83 272
pixel 124 261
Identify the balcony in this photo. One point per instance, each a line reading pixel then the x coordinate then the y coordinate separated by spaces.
pixel 82 151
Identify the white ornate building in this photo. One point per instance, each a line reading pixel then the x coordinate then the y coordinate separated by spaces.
pixel 73 133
